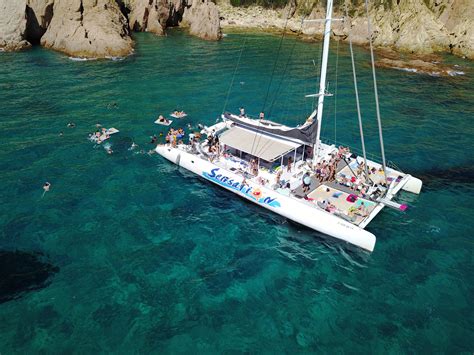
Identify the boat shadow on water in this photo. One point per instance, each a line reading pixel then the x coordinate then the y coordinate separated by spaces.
pixel 436 179
pixel 296 232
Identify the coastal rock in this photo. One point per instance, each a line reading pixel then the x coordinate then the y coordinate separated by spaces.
pixel 89 29
pixel 202 18
pixel 406 25
pixel 420 66
pixel 13 25
pixel 149 16
pixel 413 26
pixel 458 18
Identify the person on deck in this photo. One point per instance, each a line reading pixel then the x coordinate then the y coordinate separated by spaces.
pixel 290 163
pixel 261 116
pixel 242 112
pixel 306 182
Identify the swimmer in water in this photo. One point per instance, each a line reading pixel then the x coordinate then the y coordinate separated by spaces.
pixel 61 133
pixel 153 139
pixel 46 188
pixel 134 146
pixel 109 150
pixel 71 125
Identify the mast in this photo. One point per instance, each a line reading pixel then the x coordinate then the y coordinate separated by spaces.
pixel 324 67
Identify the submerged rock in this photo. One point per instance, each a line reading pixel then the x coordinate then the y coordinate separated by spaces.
pixel 202 18
pixel 89 29
pixel 420 66
pixel 21 272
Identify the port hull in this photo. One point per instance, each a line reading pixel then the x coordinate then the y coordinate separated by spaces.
pixel 286 206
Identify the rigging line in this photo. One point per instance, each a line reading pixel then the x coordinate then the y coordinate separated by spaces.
pixel 269 143
pixel 271 78
pixel 233 76
pixel 335 94
pixel 284 71
pixel 276 62
pixel 377 108
pixel 359 116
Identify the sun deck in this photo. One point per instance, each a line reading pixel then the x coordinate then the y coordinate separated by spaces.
pixel 348 194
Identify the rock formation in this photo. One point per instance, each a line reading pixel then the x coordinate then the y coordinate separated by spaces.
pixel 98 28
pixel 414 26
pixel 155 15
pixel 202 18
pixel 13 25
pixel 88 28
pixel 148 16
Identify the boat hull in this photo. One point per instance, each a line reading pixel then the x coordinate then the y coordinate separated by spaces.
pixel 286 206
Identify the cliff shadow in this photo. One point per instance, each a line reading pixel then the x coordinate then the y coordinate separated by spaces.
pixel 35 29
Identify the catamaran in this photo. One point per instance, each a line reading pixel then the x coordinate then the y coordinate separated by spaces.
pixel 291 172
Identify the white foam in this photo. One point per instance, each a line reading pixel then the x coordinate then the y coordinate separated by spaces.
pixel 455 72
pixel 410 70
pixel 115 59
pixel 79 59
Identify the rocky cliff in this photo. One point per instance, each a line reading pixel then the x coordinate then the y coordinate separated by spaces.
pixel 99 28
pixel 416 26
pixel 88 28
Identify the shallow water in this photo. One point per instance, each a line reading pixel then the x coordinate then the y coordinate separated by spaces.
pixel 153 259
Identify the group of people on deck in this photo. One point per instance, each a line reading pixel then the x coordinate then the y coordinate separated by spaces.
pixel 213 145
pixel 175 136
pixel 327 170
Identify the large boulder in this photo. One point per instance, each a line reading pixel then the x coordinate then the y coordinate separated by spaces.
pixel 458 18
pixel 202 18
pixel 13 25
pixel 149 15
pixel 88 28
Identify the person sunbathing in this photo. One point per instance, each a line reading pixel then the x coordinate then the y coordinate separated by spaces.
pixel 162 119
pixel 362 210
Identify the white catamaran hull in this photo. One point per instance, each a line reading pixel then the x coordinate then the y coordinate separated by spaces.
pixel 285 206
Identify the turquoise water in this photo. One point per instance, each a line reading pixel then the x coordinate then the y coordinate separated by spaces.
pixel 152 259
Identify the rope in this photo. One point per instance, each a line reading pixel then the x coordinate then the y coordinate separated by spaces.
pixel 335 94
pixel 377 108
pixel 233 76
pixel 270 83
pixel 275 63
pixel 361 129
pixel 284 71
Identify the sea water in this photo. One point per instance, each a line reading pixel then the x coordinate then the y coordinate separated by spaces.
pixel 151 259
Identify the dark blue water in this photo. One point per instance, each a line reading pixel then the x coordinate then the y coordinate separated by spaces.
pixel 151 259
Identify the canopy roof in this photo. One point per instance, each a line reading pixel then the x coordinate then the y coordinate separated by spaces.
pixel 305 133
pixel 260 145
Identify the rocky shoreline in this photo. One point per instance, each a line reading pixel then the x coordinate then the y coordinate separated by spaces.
pixel 416 54
pixel 99 28
pixel 102 28
pixel 407 26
